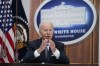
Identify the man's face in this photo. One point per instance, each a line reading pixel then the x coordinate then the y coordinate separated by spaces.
pixel 46 31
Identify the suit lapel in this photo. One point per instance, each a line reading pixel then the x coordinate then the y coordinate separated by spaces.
pixel 39 41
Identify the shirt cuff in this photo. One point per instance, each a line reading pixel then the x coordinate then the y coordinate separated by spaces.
pixel 56 54
pixel 36 54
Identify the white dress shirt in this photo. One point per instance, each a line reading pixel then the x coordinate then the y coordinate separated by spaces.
pixel 56 54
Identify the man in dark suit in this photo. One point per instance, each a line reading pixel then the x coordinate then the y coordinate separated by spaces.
pixel 46 50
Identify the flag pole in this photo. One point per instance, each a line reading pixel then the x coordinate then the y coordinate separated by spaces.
pixel 16 49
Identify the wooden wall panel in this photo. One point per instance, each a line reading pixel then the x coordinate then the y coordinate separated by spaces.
pixel 32 32
pixel 80 53
pixel 75 53
pixel 83 52
pixel 96 35
pixel 88 53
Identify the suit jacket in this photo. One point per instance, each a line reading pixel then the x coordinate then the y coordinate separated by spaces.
pixel 30 58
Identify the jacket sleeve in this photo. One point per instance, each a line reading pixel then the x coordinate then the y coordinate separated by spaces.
pixel 29 57
pixel 63 59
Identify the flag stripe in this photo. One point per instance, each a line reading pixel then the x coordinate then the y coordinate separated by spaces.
pixel 9 49
pixel 10 40
pixel 2 60
pixel 12 32
pixel 5 60
pixel 11 60
pixel 8 55
pixel 7 44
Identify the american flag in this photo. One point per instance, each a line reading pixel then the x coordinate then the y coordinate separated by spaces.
pixel 7 42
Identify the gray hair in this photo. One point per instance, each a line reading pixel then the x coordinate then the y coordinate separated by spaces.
pixel 40 25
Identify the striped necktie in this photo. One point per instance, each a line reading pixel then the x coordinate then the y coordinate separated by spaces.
pixel 46 52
